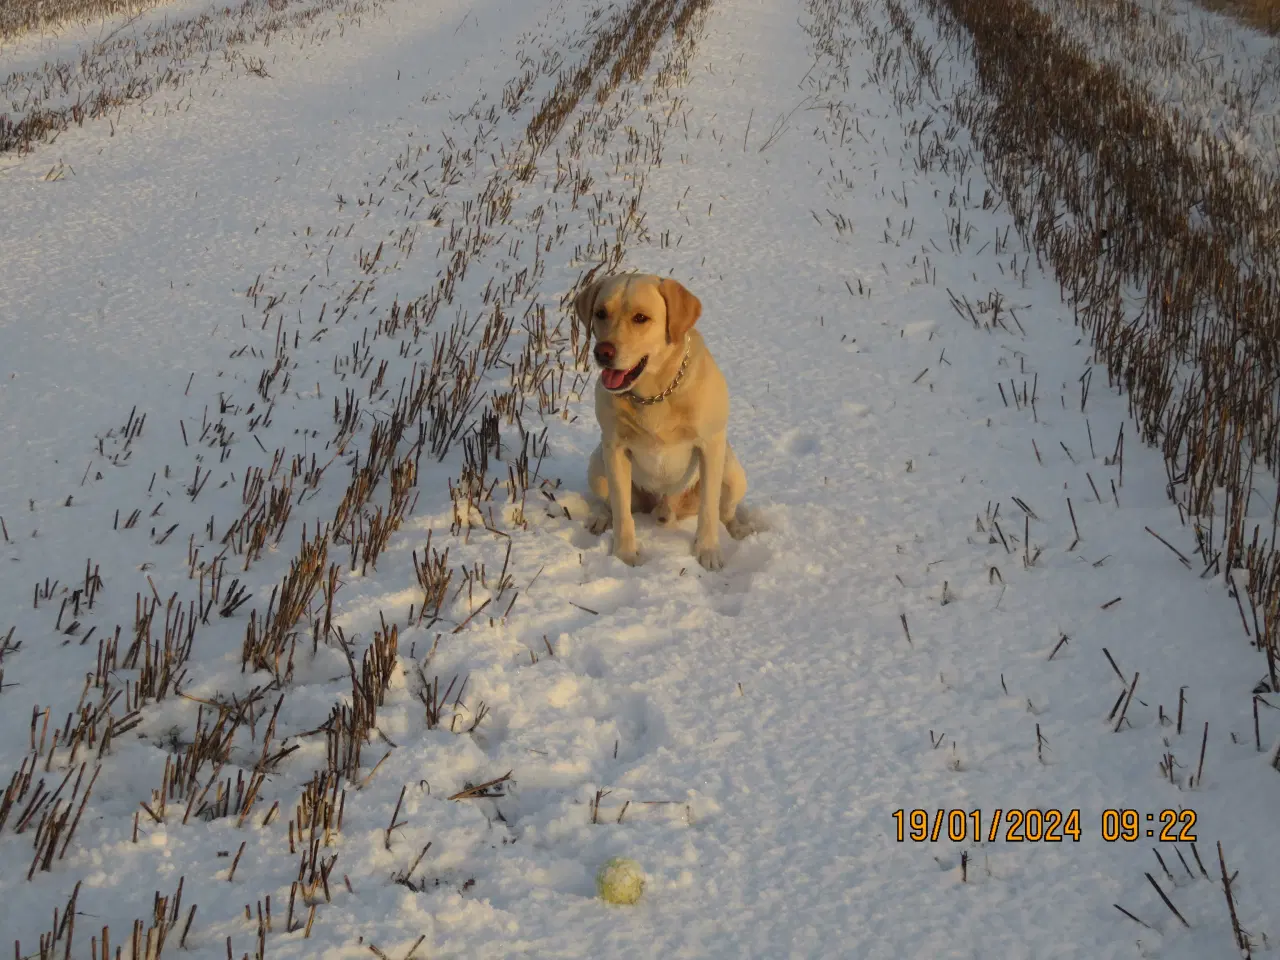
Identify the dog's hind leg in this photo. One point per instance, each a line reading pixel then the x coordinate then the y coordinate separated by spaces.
pixel 734 488
pixel 600 514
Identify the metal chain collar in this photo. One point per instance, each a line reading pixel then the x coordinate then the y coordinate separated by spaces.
pixel 635 398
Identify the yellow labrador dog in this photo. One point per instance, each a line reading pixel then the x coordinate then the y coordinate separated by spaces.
pixel 663 408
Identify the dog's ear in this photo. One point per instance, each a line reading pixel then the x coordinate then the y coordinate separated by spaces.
pixel 584 304
pixel 683 309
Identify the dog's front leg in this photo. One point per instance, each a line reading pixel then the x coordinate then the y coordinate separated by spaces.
pixel 617 466
pixel 706 541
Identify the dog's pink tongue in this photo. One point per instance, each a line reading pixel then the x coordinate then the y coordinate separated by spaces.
pixel 613 378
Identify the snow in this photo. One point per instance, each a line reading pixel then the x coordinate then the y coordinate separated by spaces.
pixel 72 40
pixel 1203 67
pixel 891 642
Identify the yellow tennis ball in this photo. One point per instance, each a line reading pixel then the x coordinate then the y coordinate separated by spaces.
pixel 620 881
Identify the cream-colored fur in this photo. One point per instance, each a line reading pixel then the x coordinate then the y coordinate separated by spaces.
pixel 670 458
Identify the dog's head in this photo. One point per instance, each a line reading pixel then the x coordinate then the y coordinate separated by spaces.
pixel 639 323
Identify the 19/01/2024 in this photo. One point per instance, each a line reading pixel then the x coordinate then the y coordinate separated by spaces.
pixel 1033 825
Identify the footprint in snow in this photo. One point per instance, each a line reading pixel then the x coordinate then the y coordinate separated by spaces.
pixel 728 592
pixel 606 596
pixel 798 443
pixel 856 411
pixel 919 330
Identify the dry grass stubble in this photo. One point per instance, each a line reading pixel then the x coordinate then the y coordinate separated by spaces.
pixel 1262 14
pixel 1200 361
pixel 23 16
pixel 461 380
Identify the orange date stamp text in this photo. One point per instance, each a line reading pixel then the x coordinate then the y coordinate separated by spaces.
pixel 1034 825
pixel 973 826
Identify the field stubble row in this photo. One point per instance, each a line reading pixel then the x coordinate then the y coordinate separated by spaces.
pixel 1163 244
pixel 1159 241
pixel 1162 241
pixel 128 67
pixel 470 388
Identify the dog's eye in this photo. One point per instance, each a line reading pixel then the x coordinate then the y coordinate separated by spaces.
pixel 639 318
pixel 602 314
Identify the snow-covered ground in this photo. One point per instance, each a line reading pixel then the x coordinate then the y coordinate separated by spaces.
pixel 1208 69
pixel 82 70
pixel 956 567
pixel 72 40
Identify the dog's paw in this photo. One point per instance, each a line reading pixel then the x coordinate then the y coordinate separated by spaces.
pixel 598 521
pixel 709 555
pixel 744 523
pixel 628 555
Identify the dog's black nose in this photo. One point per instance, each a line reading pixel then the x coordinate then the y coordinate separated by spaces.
pixel 605 352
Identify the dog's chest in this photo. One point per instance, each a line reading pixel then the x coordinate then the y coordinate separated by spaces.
pixel 661 441
pixel 666 469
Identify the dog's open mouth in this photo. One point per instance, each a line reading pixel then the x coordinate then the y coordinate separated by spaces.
pixel 615 381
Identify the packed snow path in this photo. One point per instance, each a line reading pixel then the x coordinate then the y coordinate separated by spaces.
pixel 922 626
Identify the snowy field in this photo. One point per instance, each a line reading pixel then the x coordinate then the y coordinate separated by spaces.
pixel 972 594
pixel 1200 66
